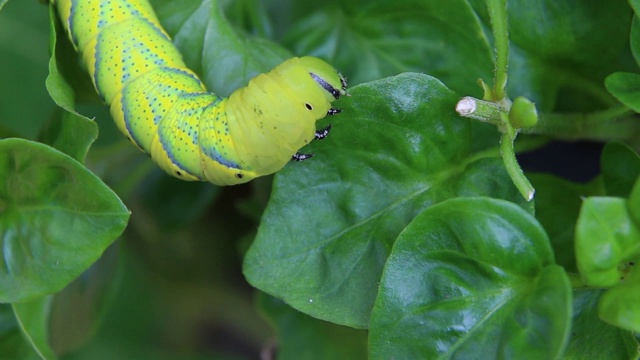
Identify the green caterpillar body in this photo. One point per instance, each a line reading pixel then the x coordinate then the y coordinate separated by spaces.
pixel 165 110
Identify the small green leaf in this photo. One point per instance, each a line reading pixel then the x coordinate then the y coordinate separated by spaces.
pixel 626 88
pixel 33 317
pixel 303 337
pixel 606 240
pixel 619 305
pixel 56 219
pixel 67 131
pixel 592 338
pixel 620 166
pixel 471 278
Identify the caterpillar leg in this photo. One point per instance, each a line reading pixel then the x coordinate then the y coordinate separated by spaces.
pixel 300 157
pixel 322 133
pixel 333 111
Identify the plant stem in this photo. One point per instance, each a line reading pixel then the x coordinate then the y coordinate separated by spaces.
pixel 498 14
pixel 511 164
pixel 615 123
pixel 485 111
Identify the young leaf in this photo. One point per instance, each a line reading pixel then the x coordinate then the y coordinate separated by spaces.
pixel 619 305
pixel 471 278
pixel 606 240
pixel 56 219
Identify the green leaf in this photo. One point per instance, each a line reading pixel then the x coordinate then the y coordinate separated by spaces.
pixel 626 88
pixel 68 131
pixel 592 338
pixel 224 59
pixel 12 342
pixel 371 40
pixel 595 33
pixel 303 337
pixel 635 31
pixel 397 148
pixel 620 166
pixel 471 278
pixel 23 68
pixel 606 240
pixel 562 49
pixel 33 318
pixel 557 205
pixel 619 305
pixel 56 219
pixel 77 312
pixel 173 203
pixel 634 203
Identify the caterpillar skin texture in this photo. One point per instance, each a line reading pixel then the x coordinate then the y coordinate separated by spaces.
pixel 165 110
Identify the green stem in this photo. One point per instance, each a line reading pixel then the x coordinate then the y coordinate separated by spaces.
pixel 485 111
pixel 498 14
pixel 615 123
pixel 511 164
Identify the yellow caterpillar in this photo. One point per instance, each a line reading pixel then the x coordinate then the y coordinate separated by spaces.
pixel 165 110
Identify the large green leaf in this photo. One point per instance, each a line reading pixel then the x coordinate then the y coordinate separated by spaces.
pixel 471 279
pixel 592 338
pixel 56 219
pixel 594 34
pixel 225 59
pixel 381 38
pixel 397 148
pixel 563 49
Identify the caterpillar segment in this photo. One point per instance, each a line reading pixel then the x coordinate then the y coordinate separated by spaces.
pixel 166 111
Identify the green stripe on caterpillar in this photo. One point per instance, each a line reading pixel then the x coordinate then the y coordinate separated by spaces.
pixel 165 110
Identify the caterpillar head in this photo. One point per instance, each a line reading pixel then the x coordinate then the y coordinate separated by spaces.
pixel 326 76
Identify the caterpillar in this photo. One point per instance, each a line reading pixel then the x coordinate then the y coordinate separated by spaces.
pixel 164 109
